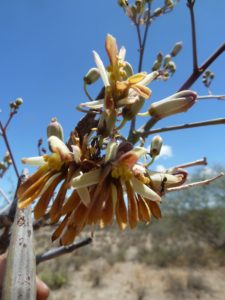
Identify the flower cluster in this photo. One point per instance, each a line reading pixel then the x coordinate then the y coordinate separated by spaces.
pixel 98 176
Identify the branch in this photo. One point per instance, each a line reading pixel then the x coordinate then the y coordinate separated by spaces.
pixel 194 184
pixel 199 162
pixel 207 97
pixel 197 73
pixel 53 253
pixel 184 126
pixel 190 5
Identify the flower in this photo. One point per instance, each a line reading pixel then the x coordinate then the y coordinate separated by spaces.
pixel 118 175
pixel 55 169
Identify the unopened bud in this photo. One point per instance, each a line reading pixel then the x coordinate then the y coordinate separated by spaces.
pixel 167 59
pixel 169 3
pixel 123 3
pixel 128 69
pixel 177 103
pixel 157 12
pixel 2 166
pixel 156 146
pixel 19 101
pixel 13 105
pixel 176 49
pixel 55 129
pixel 92 76
pixel 171 66
pixel 156 65
pixel 7 158
pixel 131 110
pixel 159 57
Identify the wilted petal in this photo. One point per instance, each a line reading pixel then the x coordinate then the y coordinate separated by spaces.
pixel 111 49
pixel 111 151
pixel 144 191
pixel 136 78
pixel 121 210
pixel 142 90
pixel 154 207
pixel 143 210
pixel 84 196
pixel 132 206
pixel 149 78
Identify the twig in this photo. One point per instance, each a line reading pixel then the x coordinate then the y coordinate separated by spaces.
pixel 195 184
pixel 190 5
pixel 199 162
pixel 4 136
pixel 206 97
pixel 61 250
pixel 195 75
pixel 184 126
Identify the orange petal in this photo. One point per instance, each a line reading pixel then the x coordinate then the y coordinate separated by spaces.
pixel 143 210
pixel 155 209
pixel 71 203
pixel 56 234
pixel 55 211
pixel 32 179
pixel 107 212
pixel 132 206
pixel 111 49
pixel 121 210
pixel 45 198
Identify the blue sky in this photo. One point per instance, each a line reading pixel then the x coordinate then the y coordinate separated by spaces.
pixel 46 49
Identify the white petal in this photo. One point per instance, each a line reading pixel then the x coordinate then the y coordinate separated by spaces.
pixel 122 53
pixel 84 196
pixel 93 104
pixel 58 145
pixel 111 151
pixel 144 191
pixel 149 78
pixel 101 69
pixel 126 101
pixel 86 179
pixel 139 151
pixel 37 161
pixel 76 153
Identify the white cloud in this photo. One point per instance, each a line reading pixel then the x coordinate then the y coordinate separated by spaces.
pixel 207 172
pixel 166 152
pixel 160 169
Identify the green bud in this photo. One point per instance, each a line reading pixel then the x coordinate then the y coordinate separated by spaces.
pixel 19 101
pixel 158 12
pixel 167 59
pixel 156 65
pixel 55 129
pixel 156 146
pixel 174 104
pixel 128 69
pixel 2 166
pixel 176 49
pixel 123 3
pixel 171 66
pixel 212 75
pixel 159 57
pixel 92 76
pixel 169 3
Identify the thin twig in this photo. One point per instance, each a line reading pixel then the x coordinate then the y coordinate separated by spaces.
pixel 194 184
pixel 4 136
pixel 199 162
pixel 184 126
pixel 53 253
pixel 4 196
pixel 207 97
pixel 190 5
pixel 195 75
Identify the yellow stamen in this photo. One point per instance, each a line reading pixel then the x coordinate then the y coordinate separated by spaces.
pixel 122 171
pixel 54 161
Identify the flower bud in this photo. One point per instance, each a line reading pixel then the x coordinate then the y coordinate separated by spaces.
pixel 167 59
pixel 55 129
pixel 7 158
pixel 171 66
pixel 169 3
pixel 123 3
pixel 2 165
pixel 156 146
pixel 176 49
pixel 156 65
pixel 19 101
pixel 157 12
pixel 131 110
pixel 92 76
pixel 177 103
